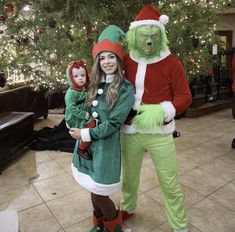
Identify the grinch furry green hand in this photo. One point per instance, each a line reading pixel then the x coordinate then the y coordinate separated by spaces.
pixel 149 117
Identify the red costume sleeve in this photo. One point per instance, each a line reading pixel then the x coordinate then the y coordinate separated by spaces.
pixel 180 88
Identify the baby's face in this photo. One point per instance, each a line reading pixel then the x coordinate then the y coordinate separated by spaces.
pixel 79 75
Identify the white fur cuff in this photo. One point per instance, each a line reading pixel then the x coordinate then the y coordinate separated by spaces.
pixel 169 110
pixel 85 135
pixel 147 22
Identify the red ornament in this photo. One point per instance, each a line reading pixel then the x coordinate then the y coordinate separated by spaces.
pixel 94 30
pixel 2 18
pixel 210 72
pixel 9 8
pixel 40 30
pixel 192 63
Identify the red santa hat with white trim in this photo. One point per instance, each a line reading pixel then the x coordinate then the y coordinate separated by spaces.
pixel 150 15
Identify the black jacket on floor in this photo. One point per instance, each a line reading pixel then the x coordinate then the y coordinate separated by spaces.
pixel 57 138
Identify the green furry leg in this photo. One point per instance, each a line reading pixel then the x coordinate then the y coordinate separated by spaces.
pixel 162 151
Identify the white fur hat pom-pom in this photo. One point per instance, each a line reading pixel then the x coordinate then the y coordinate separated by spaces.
pixel 164 19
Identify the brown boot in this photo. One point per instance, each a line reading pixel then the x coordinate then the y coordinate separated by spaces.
pixel 98 224
pixel 115 225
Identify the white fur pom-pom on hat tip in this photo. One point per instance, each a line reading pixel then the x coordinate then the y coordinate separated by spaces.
pixel 164 19
pixel 150 15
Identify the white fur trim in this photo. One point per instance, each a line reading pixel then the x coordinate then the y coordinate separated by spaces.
pixel 85 135
pixel 139 84
pixel 165 129
pixel 89 184
pixel 128 129
pixel 146 22
pixel 183 230
pixel 162 56
pixel 169 110
pixel 164 19
pixel 108 78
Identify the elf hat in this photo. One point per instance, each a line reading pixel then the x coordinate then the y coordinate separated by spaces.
pixel 69 75
pixel 150 15
pixel 110 40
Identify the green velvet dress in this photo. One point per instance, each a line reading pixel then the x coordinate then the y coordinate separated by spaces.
pixel 101 174
pixel 76 108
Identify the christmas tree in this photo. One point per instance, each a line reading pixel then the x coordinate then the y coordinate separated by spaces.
pixel 38 39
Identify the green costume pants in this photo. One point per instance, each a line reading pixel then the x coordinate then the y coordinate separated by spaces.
pixel 162 151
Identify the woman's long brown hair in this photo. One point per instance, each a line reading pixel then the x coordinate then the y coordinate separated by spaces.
pixel 95 80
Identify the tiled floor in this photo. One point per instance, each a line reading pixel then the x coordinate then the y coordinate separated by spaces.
pixel 41 188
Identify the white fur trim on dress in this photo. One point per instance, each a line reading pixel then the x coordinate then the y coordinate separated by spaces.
pixel 85 135
pixel 100 189
pixel 146 22
pixel 169 110
pixel 165 129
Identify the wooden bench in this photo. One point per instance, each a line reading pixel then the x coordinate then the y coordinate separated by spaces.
pixel 16 135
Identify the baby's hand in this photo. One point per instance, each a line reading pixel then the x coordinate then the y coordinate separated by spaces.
pixel 75 133
pixel 87 115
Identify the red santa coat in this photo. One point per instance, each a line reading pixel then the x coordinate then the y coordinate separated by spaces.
pixel 159 81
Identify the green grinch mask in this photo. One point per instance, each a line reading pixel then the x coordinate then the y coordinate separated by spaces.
pixel 147 41
pixel 147 38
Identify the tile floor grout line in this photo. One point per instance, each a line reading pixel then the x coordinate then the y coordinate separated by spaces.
pixel 54 215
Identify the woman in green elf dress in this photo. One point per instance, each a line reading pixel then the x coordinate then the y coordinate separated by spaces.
pixel 111 98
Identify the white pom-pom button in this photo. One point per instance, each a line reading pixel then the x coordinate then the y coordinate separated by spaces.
pixel 164 19
pixel 95 115
pixel 94 103
pixel 100 91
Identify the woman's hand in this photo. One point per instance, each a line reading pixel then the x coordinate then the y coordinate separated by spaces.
pixel 75 133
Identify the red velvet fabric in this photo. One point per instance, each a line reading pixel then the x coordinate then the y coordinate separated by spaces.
pixel 164 81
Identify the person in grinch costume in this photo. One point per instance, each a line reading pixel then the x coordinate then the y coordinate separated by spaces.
pixel 161 93
pixel 111 98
